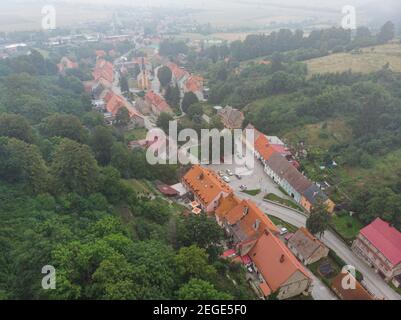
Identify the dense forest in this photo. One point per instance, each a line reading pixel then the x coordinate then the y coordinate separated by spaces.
pixel 66 201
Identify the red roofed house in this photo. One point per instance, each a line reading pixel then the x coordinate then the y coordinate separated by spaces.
pixel 115 102
pixel 194 84
pixel 279 271
pixel 206 187
pixel 180 75
pixel 157 103
pixel 379 244
pixel 65 64
pixel 103 70
pixel 243 221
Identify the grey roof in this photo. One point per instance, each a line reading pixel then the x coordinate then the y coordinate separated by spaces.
pixel 313 194
pixel 305 243
pixel 285 170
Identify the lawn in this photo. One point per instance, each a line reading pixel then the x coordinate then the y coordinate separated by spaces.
pixel 139 186
pixel 136 134
pixel 275 198
pixel 348 227
pixel 370 60
pixel 254 192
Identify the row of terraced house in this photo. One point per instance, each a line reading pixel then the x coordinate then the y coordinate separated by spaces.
pixel 253 237
pixel 280 165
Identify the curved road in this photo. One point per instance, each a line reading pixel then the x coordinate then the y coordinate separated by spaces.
pixel 372 280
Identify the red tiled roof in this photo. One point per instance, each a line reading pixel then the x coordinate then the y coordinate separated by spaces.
pixel 103 69
pixel 384 238
pixel 194 84
pixel 158 101
pixel 275 261
pixel 115 102
pixel 178 72
pixel 206 184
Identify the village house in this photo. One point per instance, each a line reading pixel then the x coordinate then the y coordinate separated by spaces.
pixel 157 103
pixel 103 70
pixel 206 187
pixel 280 165
pixel 306 247
pixel 65 64
pixel 231 117
pixel 280 273
pixel 357 293
pixel 243 221
pixel 379 245
pixel 314 195
pixel 194 84
pixel 179 75
pixel 114 103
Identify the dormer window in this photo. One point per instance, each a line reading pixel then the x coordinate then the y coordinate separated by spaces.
pixel 256 224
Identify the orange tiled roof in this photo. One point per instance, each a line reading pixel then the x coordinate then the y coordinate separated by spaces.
pixel 226 204
pixel 194 84
pixel 275 261
pixel 158 101
pixel 248 221
pixel 359 293
pixel 262 145
pixel 178 72
pixel 115 102
pixel 205 184
pixel 103 69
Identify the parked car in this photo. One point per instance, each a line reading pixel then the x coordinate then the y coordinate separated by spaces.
pixel 226 179
pixel 220 173
pixel 243 187
pixel 283 231
pixel 238 177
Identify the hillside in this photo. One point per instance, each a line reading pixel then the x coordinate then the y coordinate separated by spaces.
pixel 367 60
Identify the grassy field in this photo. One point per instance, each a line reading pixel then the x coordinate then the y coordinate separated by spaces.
pixel 370 60
pixel 286 202
pixel 348 227
pixel 140 187
pixel 136 134
pixel 322 135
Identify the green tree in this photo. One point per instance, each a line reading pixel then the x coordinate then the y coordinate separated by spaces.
pixel 318 220
pixel 64 126
pixel 172 96
pixel 16 126
pixel 163 122
pixel 22 163
pixel 199 230
pixel 387 32
pixel 101 142
pixel 164 75
pixel 197 289
pixel 74 168
pixel 124 84
pixel 122 117
pixel 192 262
pixel 189 99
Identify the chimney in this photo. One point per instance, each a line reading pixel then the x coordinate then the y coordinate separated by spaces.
pixel 282 258
pixel 246 210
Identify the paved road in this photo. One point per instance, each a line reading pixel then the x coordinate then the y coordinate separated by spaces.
pixel 372 280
